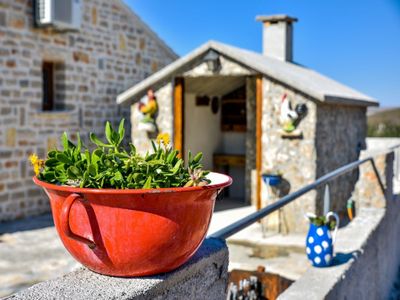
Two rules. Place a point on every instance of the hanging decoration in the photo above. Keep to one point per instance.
(290, 118)
(148, 107)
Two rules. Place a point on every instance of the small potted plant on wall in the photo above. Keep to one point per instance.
(272, 176)
(320, 240)
(121, 213)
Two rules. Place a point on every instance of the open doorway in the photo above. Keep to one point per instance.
(215, 122)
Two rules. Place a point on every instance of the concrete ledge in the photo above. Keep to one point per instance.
(205, 276)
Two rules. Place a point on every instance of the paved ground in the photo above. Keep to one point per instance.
(31, 256)
(31, 252)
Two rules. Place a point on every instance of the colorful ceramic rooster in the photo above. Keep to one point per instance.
(150, 108)
(288, 116)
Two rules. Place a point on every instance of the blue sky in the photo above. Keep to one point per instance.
(356, 42)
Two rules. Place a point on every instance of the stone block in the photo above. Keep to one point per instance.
(5, 111)
(11, 137)
(51, 143)
(79, 56)
(11, 63)
(17, 195)
(4, 197)
(3, 18)
(154, 66)
(142, 43)
(94, 15)
(122, 42)
(24, 83)
(61, 41)
(205, 276)
(10, 164)
(17, 21)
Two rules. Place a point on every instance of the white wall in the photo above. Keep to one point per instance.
(234, 142)
(202, 130)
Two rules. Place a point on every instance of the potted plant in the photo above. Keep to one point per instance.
(121, 213)
(272, 177)
(320, 241)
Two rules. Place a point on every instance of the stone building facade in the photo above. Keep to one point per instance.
(112, 50)
(331, 134)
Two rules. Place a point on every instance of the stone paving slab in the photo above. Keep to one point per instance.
(31, 256)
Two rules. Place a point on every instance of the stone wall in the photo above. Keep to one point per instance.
(332, 136)
(340, 137)
(294, 157)
(250, 190)
(204, 276)
(113, 50)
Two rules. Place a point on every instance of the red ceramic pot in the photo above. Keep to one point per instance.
(133, 232)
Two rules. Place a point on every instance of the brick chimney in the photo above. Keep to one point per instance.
(278, 36)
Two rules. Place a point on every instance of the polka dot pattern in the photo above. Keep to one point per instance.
(319, 246)
(327, 258)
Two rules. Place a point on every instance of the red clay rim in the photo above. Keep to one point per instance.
(225, 183)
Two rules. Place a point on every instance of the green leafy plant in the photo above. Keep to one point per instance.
(273, 171)
(110, 165)
(321, 221)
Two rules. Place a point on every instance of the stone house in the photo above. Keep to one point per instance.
(252, 112)
(54, 80)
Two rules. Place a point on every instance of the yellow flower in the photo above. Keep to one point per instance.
(164, 138)
(36, 163)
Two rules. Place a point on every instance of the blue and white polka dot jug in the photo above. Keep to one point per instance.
(320, 241)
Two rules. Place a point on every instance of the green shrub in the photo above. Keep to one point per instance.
(383, 130)
(111, 166)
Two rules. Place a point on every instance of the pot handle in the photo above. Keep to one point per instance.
(336, 217)
(65, 228)
(220, 195)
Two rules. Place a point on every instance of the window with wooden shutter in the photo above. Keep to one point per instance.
(48, 86)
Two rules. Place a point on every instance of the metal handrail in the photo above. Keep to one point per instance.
(237, 226)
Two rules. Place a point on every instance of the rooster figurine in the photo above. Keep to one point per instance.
(289, 117)
(149, 111)
(150, 108)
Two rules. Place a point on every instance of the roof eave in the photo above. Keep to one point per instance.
(338, 100)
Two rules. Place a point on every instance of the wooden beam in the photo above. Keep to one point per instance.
(259, 104)
(179, 114)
